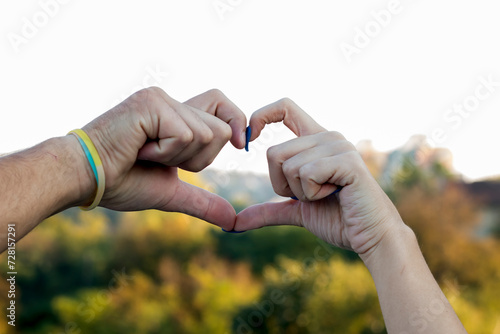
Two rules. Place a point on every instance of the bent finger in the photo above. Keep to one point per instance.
(288, 112)
(285, 159)
(172, 138)
(205, 156)
(216, 103)
(321, 177)
(175, 130)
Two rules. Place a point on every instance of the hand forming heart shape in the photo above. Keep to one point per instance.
(311, 167)
(146, 138)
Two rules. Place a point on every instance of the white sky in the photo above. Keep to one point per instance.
(88, 55)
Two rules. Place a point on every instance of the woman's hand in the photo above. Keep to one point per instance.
(311, 167)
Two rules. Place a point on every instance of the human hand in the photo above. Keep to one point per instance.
(310, 168)
(143, 141)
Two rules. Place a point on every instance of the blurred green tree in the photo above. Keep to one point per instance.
(316, 296)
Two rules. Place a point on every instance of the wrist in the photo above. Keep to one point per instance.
(83, 176)
(394, 248)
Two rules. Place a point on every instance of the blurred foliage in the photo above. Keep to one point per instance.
(321, 295)
(155, 272)
(263, 247)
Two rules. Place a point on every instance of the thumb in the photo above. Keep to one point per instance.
(202, 204)
(269, 214)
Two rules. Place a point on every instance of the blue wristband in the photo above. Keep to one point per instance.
(89, 158)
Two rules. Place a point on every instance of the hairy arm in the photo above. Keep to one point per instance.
(142, 142)
(41, 181)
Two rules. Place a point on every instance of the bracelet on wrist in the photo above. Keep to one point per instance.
(96, 164)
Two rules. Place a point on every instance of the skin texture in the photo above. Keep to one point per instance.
(157, 135)
(310, 167)
(144, 140)
(360, 217)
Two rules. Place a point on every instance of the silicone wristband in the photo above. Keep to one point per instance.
(96, 164)
(89, 157)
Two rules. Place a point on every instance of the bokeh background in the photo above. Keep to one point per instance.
(414, 84)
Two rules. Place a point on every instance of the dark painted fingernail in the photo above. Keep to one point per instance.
(295, 198)
(248, 136)
(233, 231)
(339, 188)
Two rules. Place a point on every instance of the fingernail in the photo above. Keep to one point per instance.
(339, 188)
(295, 198)
(248, 136)
(233, 231)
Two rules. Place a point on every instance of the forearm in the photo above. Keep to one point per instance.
(41, 181)
(410, 297)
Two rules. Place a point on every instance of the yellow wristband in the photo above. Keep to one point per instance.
(95, 163)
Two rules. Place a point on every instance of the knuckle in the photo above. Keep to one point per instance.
(148, 93)
(216, 93)
(350, 146)
(206, 137)
(286, 102)
(154, 90)
(186, 138)
(139, 97)
(306, 171)
(271, 153)
(289, 169)
(148, 96)
(333, 136)
(274, 155)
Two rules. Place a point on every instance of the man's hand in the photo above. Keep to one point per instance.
(310, 168)
(147, 137)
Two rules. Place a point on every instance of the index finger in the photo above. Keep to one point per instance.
(287, 111)
(216, 103)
